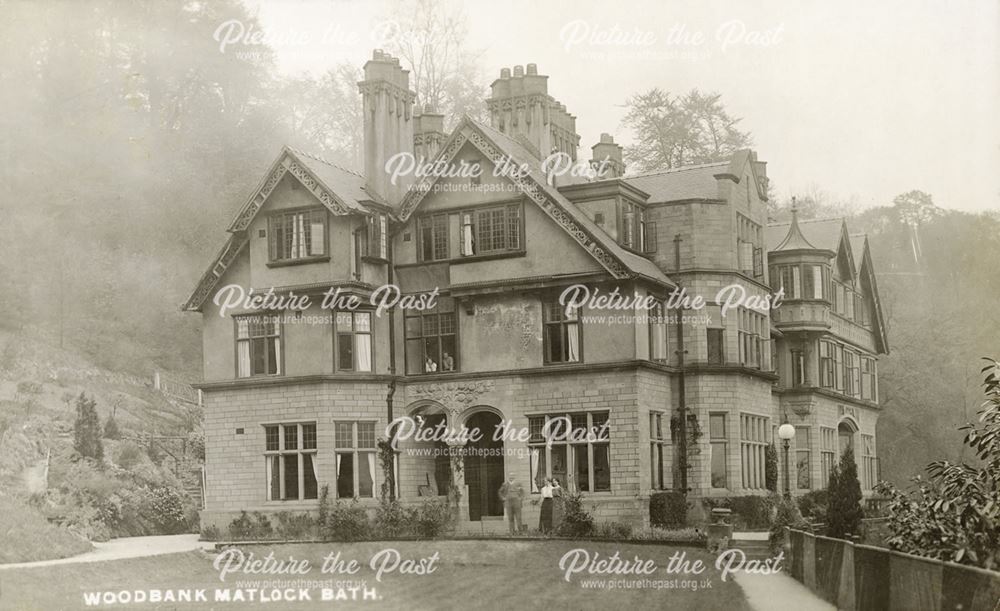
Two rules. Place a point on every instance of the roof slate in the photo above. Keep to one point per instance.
(687, 182)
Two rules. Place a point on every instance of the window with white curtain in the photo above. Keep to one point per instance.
(354, 447)
(258, 345)
(353, 338)
(297, 235)
(562, 332)
(657, 319)
(290, 461)
(577, 452)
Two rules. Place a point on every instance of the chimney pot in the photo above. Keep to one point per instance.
(504, 72)
(518, 71)
(532, 69)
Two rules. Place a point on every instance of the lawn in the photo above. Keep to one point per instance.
(466, 574)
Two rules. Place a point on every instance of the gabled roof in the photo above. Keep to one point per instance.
(340, 190)
(497, 147)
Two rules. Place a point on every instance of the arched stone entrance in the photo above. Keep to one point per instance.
(846, 430)
(484, 467)
(426, 465)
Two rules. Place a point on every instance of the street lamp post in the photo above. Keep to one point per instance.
(786, 432)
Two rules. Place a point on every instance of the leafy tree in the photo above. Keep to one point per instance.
(955, 515)
(87, 429)
(672, 131)
(430, 37)
(111, 428)
(844, 512)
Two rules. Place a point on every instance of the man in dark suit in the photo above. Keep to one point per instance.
(512, 495)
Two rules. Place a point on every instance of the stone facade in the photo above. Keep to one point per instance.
(701, 229)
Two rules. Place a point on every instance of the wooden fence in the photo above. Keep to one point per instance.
(861, 577)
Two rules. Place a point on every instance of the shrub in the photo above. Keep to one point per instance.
(432, 518)
(813, 504)
(843, 512)
(295, 526)
(111, 428)
(771, 468)
(347, 522)
(668, 509)
(248, 527)
(577, 522)
(324, 507)
(210, 533)
(165, 505)
(129, 455)
(956, 515)
(87, 429)
(750, 511)
(788, 515)
(618, 531)
(392, 519)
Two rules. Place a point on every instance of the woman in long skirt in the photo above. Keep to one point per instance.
(545, 521)
(558, 510)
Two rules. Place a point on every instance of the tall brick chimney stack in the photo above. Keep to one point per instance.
(428, 132)
(520, 106)
(388, 123)
(608, 150)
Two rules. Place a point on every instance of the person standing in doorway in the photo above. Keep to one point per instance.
(512, 495)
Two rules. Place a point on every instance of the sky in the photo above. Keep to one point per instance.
(862, 100)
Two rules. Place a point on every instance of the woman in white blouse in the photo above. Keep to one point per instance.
(545, 521)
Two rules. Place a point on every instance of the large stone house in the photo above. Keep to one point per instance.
(297, 398)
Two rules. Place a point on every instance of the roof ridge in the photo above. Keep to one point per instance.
(683, 168)
(823, 220)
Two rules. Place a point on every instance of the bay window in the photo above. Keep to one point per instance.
(719, 447)
(353, 341)
(290, 461)
(753, 447)
(354, 449)
(658, 450)
(869, 379)
(827, 452)
(803, 461)
(258, 345)
(576, 450)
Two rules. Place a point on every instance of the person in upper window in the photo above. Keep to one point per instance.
(447, 363)
(430, 366)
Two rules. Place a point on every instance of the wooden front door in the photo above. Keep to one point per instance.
(484, 468)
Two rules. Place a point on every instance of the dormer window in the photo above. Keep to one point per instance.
(635, 232)
(376, 240)
(297, 235)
